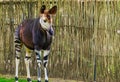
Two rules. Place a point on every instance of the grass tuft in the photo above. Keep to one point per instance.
(12, 80)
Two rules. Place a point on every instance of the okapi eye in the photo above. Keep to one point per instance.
(48, 16)
(45, 20)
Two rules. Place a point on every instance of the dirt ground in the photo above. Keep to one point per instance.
(61, 80)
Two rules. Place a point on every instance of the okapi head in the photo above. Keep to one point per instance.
(46, 16)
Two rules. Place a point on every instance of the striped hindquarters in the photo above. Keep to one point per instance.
(17, 42)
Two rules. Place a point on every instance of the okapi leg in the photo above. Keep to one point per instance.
(39, 62)
(17, 61)
(18, 46)
(27, 62)
(45, 62)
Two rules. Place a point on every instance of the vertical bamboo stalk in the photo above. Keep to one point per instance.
(94, 43)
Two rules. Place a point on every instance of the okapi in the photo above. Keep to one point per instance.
(36, 34)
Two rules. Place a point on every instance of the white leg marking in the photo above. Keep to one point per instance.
(27, 62)
(27, 67)
(17, 64)
(46, 75)
(39, 62)
(39, 79)
(46, 53)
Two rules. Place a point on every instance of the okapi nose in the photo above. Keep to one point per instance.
(51, 31)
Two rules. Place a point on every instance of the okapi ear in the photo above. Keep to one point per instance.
(53, 10)
(42, 9)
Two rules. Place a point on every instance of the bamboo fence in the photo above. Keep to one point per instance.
(86, 45)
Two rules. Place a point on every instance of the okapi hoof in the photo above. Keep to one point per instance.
(46, 80)
(29, 80)
(38, 81)
(16, 79)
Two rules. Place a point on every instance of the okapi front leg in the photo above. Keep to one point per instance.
(39, 62)
(27, 62)
(45, 62)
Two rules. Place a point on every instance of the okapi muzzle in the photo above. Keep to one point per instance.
(36, 35)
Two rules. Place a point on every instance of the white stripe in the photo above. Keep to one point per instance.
(17, 53)
(17, 43)
(17, 48)
(39, 61)
(17, 64)
(46, 76)
(38, 51)
(46, 52)
(45, 61)
(39, 79)
(27, 61)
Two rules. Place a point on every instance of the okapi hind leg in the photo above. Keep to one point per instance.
(17, 60)
(27, 62)
(18, 46)
(45, 62)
